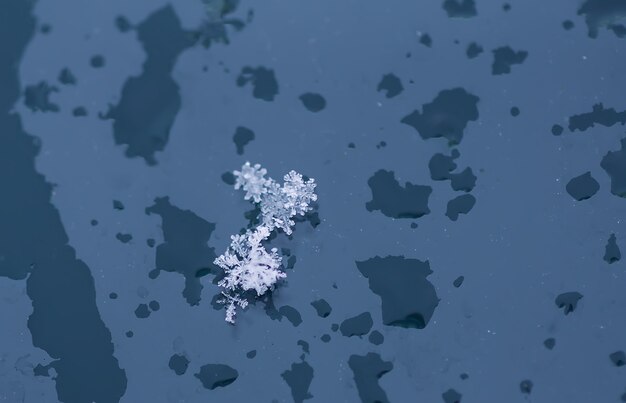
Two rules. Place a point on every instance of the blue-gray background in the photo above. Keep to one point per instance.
(525, 241)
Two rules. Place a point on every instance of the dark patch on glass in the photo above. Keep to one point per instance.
(376, 338)
(614, 163)
(154, 306)
(612, 253)
(441, 165)
(184, 249)
(41, 370)
(118, 205)
(217, 20)
(600, 115)
(67, 77)
(618, 358)
(129, 334)
(322, 307)
(460, 205)
(150, 102)
(465, 180)
(216, 375)
(464, 376)
(304, 345)
(242, 136)
(568, 301)
(426, 40)
(313, 102)
(367, 370)
(582, 187)
(408, 299)
(334, 327)
(515, 111)
(618, 29)
(446, 116)
(113, 295)
(460, 8)
(325, 338)
(142, 311)
(557, 130)
(504, 57)
(473, 50)
(393, 200)
(413, 225)
(122, 24)
(351, 145)
(263, 80)
(79, 111)
(45, 29)
(37, 97)
(299, 379)
(458, 281)
(526, 386)
(123, 238)
(97, 61)
(291, 314)
(179, 364)
(451, 396)
(251, 354)
(391, 85)
(549, 343)
(506, 7)
(150, 242)
(228, 178)
(567, 25)
(601, 14)
(357, 326)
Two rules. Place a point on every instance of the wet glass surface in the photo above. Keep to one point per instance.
(470, 161)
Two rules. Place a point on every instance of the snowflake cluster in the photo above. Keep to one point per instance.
(247, 264)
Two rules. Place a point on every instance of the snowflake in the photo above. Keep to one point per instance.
(246, 263)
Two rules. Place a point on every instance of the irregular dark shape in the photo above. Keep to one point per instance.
(413, 225)
(376, 338)
(504, 57)
(325, 338)
(451, 396)
(142, 311)
(150, 102)
(549, 343)
(460, 8)
(367, 370)
(506, 7)
(313, 102)
(568, 301)
(151, 242)
(582, 187)
(567, 25)
(122, 23)
(408, 299)
(441, 165)
(618, 29)
(65, 321)
(460, 205)
(130, 334)
(515, 111)
(557, 130)
(291, 314)
(216, 375)
(446, 116)
(184, 249)
(79, 111)
(357, 325)
(601, 13)
(94, 222)
(393, 200)
(614, 163)
(464, 376)
(600, 115)
(391, 84)
(41, 370)
(473, 50)
(67, 77)
(154, 305)
(124, 238)
(322, 307)
(304, 345)
(179, 364)
(263, 82)
(465, 180)
(97, 61)
(458, 281)
(251, 354)
(228, 178)
(113, 295)
(118, 205)
(426, 40)
(214, 28)
(242, 136)
(526, 386)
(612, 253)
(334, 327)
(618, 358)
(299, 379)
(36, 97)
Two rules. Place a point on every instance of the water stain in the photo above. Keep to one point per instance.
(460, 8)
(184, 249)
(618, 358)
(367, 370)
(598, 115)
(526, 386)
(614, 163)
(612, 253)
(66, 77)
(263, 81)
(292, 315)
(376, 338)
(313, 102)
(408, 298)
(473, 50)
(446, 116)
(299, 378)
(504, 57)
(582, 187)
(357, 326)
(602, 14)
(460, 205)
(568, 301)
(178, 363)
(143, 118)
(322, 307)
(394, 200)
(391, 85)
(216, 375)
(241, 138)
(37, 97)
(451, 396)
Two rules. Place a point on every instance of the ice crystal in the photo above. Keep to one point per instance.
(247, 265)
